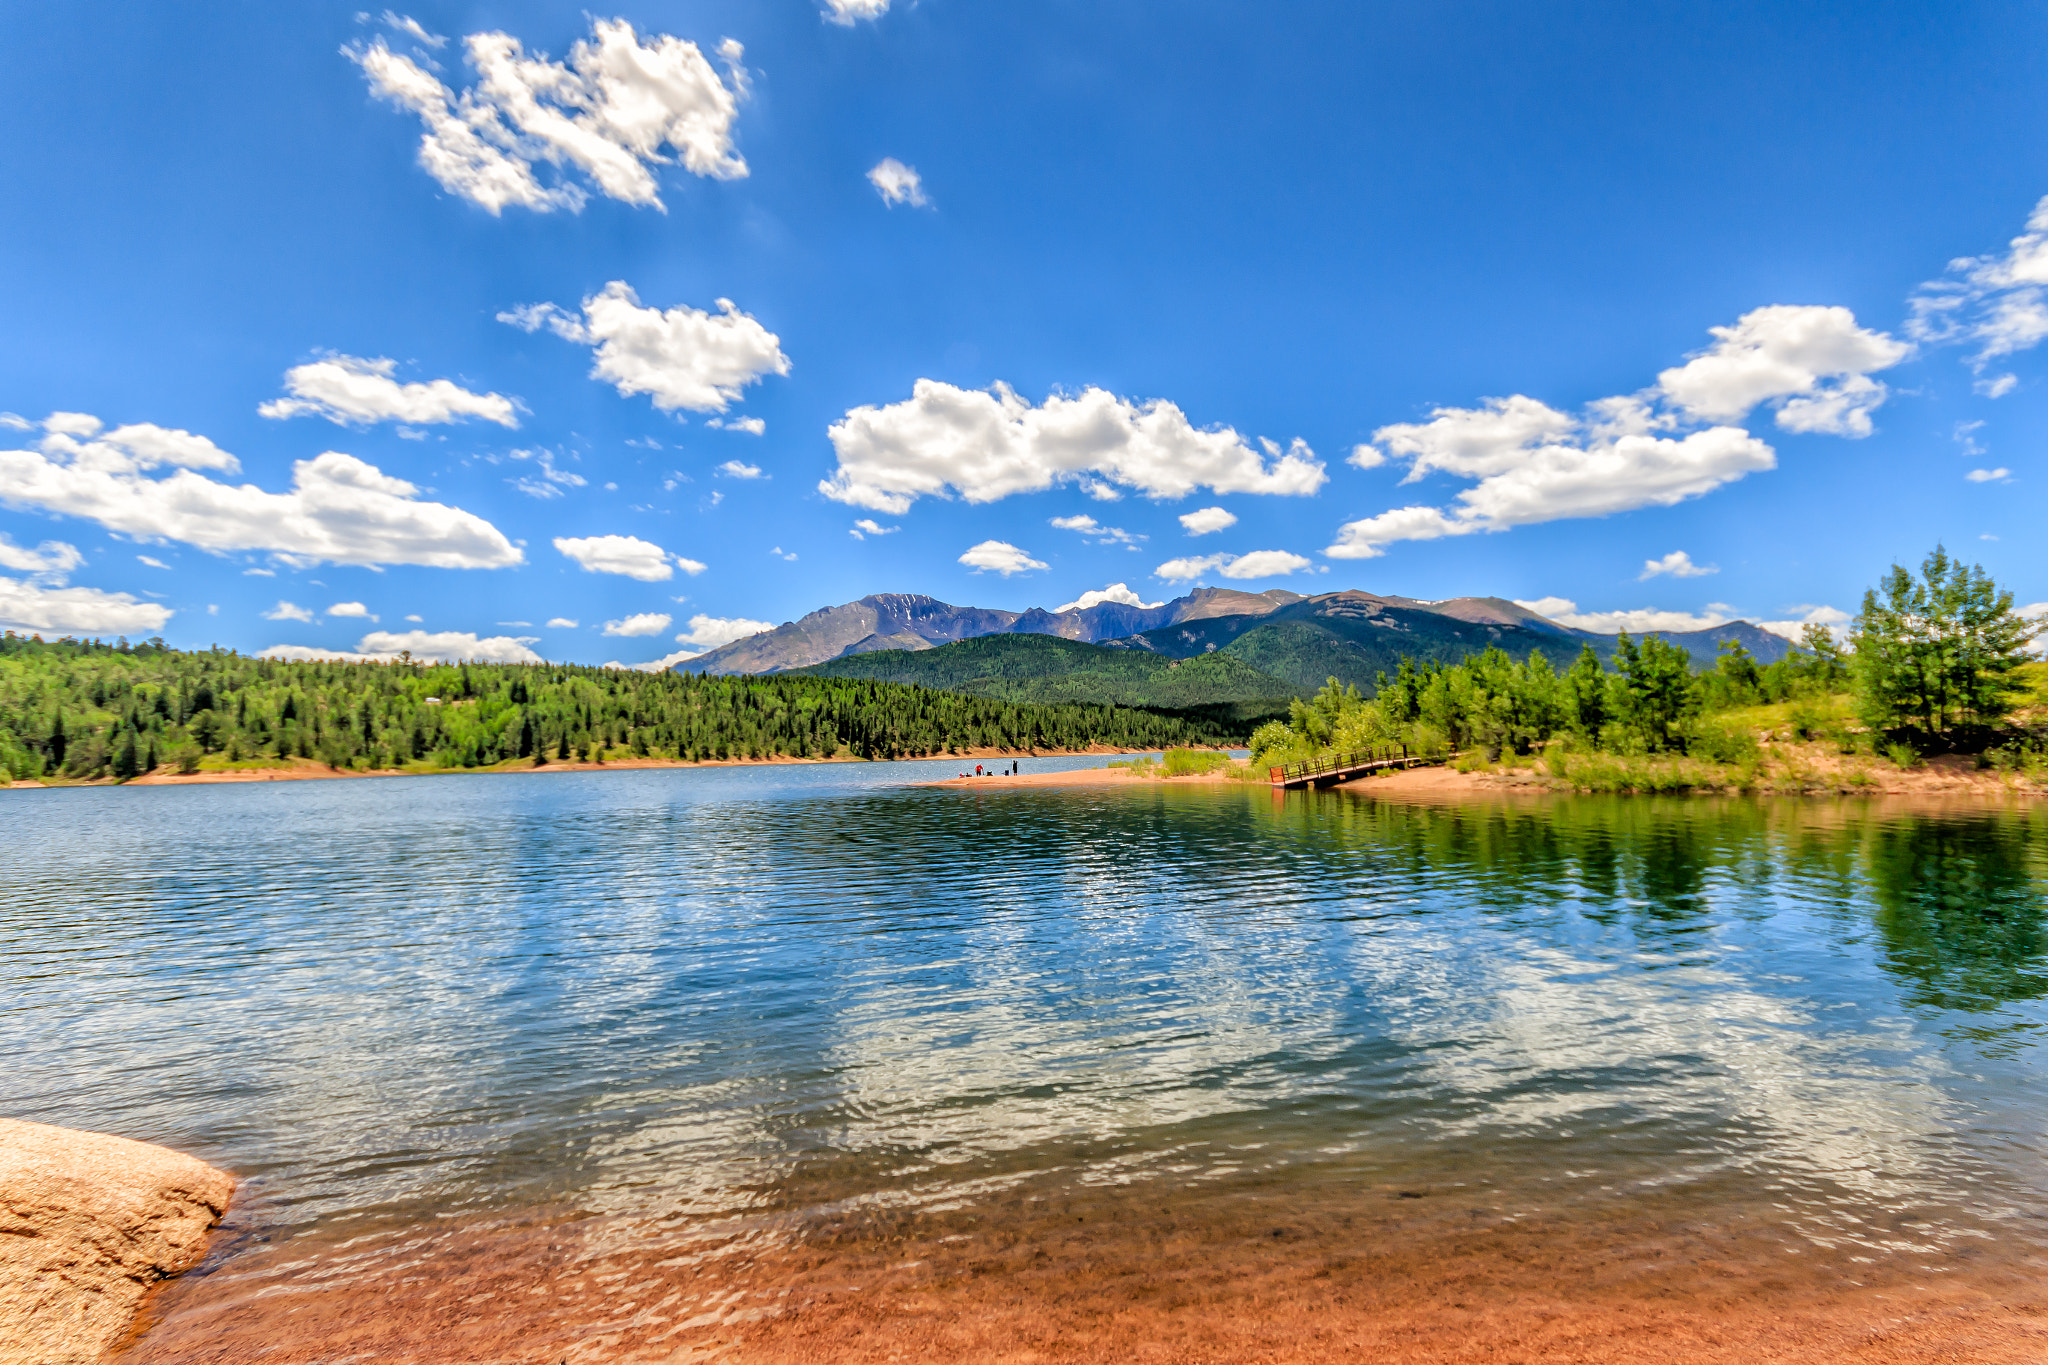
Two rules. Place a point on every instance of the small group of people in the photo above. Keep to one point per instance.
(994, 772)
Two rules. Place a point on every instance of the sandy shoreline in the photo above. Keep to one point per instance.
(1042, 1272)
(308, 770)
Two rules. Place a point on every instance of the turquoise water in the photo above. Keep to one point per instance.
(699, 993)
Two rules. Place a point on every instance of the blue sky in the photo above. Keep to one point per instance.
(267, 354)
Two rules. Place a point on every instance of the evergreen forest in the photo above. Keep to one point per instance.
(1935, 663)
(89, 710)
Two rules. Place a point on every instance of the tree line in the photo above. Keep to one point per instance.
(90, 709)
(1933, 661)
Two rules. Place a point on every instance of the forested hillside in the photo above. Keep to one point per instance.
(1046, 668)
(87, 709)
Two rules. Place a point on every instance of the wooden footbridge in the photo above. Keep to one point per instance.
(1326, 770)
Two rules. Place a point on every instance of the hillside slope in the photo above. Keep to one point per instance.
(1355, 636)
(1044, 668)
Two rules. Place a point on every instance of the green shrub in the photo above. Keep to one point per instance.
(1716, 742)
(1902, 755)
(1188, 762)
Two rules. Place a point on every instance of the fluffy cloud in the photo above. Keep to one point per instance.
(288, 611)
(1998, 475)
(340, 508)
(734, 469)
(682, 358)
(661, 665)
(1535, 464)
(447, 646)
(346, 389)
(628, 556)
(1001, 557)
(1207, 521)
(641, 623)
(898, 183)
(1257, 564)
(350, 609)
(51, 559)
(988, 444)
(561, 623)
(709, 632)
(1996, 302)
(868, 526)
(607, 113)
(1834, 618)
(1814, 363)
(1115, 592)
(844, 12)
(1678, 564)
(1532, 463)
(752, 426)
(50, 608)
(1566, 613)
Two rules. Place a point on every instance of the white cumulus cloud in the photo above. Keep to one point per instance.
(614, 111)
(340, 509)
(752, 426)
(1207, 521)
(1813, 362)
(844, 12)
(1532, 463)
(1678, 564)
(1566, 612)
(1257, 564)
(561, 623)
(1834, 618)
(640, 623)
(868, 526)
(349, 609)
(51, 559)
(988, 444)
(628, 556)
(43, 607)
(288, 611)
(346, 390)
(1001, 557)
(1115, 592)
(898, 183)
(681, 358)
(734, 469)
(1535, 464)
(446, 646)
(709, 632)
(1998, 475)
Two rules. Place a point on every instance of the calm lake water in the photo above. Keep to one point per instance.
(775, 1004)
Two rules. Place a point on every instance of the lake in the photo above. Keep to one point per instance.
(814, 1063)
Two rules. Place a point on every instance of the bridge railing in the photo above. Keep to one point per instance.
(1336, 761)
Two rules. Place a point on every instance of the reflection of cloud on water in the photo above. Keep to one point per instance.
(1674, 1070)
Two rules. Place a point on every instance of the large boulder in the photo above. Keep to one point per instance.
(88, 1223)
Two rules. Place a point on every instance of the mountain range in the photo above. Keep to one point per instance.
(891, 620)
(1296, 639)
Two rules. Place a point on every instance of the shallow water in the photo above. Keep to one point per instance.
(698, 1050)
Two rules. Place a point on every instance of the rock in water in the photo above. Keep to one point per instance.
(88, 1223)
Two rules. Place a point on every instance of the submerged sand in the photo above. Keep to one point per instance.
(1039, 1273)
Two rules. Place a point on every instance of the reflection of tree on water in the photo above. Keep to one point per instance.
(1960, 906)
(1961, 901)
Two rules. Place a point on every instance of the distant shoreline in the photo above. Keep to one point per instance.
(309, 770)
